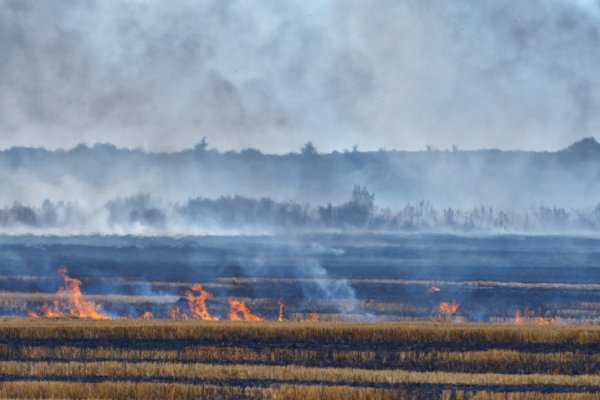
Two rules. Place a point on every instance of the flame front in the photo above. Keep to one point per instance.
(196, 298)
(239, 312)
(448, 309)
(527, 317)
(69, 301)
(313, 317)
(173, 312)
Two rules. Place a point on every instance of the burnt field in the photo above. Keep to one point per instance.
(328, 316)
(326, 277)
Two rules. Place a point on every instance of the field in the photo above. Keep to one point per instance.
(327, 317)
(158, 359)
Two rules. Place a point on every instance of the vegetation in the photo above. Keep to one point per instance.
(239, 212)
(160, 359)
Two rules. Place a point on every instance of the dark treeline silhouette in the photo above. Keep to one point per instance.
(233, 213)
(449, 178)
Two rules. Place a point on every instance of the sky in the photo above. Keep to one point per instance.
(273, 74)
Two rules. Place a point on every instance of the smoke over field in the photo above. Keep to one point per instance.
(318, 316)
(526, 279)
(105, 190)
(273, 199)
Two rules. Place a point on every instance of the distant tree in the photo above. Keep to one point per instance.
(362, 197)
(596, 212)
(48, 213)
(309, 149)
(201, 147)
(24, 214)
(327, 215)
(250, 153)
(359, 209)
(135, 209)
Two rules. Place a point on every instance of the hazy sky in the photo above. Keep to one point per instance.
(274, 74)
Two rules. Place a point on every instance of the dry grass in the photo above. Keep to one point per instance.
(285, 374)
(343, 332)
(129, 390)
(424, 283)
(52, 350)
(28, 297)
(500, 361)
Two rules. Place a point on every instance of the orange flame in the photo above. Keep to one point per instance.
(69, 301)
(196, 298)
(280, 314)
(447, 310)
(175, 313)
(527, 317)
(239, 312)
(313, 317)
(147, 315)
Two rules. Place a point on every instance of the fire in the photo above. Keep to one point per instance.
(434, 289)
(447, 310)
(175, 313)
(280, 314)
(239, 312)
(69, 301)
(313, 317)
(540, 321)
(527, 317)
(523, 317)
(147, 315)
(196, 298)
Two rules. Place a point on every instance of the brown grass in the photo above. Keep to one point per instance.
(500, 361)
(350, 333)
(231, 356)
(124, 370)
(128, 390)
(424, 283)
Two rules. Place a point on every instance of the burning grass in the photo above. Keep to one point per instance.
(192, 301)
(208, 349)
(69, 301)
(240, 312)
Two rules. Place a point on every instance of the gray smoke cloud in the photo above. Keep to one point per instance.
(273, 75)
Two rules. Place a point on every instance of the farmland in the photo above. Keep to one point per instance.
(78, 357)
(326, 317)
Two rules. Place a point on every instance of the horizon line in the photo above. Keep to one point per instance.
(203, 146)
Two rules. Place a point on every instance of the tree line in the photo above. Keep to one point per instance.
(234, 212)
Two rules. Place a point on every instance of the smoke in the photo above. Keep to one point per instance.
(336, 291)
(396, 74)
(144, 215)
(298, 258)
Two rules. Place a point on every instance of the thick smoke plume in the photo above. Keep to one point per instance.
(273, 75)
